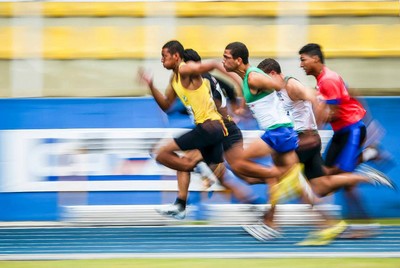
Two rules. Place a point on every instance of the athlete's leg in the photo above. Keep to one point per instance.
(183, 184)
(168, 157)
(240, 190)
(285, 162)
(243, 165)
(329, 184)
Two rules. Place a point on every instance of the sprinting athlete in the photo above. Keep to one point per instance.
(187, 84)
(279, 140)
(300, 102)
(345, 115)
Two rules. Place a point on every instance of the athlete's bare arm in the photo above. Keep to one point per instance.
(164, 101)
(259, 82)
(297, 91)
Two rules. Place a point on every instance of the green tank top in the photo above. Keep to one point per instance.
(248, 96)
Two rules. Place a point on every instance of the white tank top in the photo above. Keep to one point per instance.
(269, 112)
(299, 111)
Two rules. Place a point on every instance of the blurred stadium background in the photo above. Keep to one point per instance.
(93, 48)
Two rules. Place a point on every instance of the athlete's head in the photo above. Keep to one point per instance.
(311, 58)
(269, 65)
(191, 55)
(313, 49)
(171, 54)
(235, 53)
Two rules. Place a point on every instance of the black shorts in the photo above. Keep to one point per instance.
(234, 137)
(206, 137)
(310, 155)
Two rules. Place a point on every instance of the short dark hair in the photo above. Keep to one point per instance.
(174, 46)
(313, 49)
(268, 65)
(239, 50)
(191, 55)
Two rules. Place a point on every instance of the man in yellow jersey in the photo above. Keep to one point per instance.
(207, 136)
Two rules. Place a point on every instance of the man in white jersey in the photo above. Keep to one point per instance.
(279, 140)
(300, 103)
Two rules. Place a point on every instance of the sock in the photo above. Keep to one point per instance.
(180, 202)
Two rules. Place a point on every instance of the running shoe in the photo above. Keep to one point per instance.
(374, 176)
(262, 232)
(174, 210)
(379, 157)
(325, 236)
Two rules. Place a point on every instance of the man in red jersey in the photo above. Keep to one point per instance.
(345, 115)
(344, 112)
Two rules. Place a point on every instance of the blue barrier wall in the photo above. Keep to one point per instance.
(122, 113)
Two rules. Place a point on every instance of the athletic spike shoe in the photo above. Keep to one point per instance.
(262, 232)
(374, 176)
(174, 210)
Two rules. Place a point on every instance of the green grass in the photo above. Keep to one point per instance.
(380, 221)
(210, 263)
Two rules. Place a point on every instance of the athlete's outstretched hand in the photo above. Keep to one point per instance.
(144, 77)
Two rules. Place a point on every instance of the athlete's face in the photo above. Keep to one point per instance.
(308, 63)
(230, 64)
(168, 60)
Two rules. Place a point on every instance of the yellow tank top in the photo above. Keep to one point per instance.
(199, 102)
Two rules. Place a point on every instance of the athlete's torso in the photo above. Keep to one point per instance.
(299, 111)
(334, 91)
(218, 94)
(266, 107)
(198, 103)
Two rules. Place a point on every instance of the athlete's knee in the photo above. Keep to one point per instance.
(161, 156)
(238, 166)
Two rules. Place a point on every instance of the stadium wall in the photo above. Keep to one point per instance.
(94, 151)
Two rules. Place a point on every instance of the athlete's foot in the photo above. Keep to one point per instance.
(374, 176)
(324, 236)
(174, 210)
(378, 157)
(262, 232)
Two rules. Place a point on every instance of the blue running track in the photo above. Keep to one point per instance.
(181, 242)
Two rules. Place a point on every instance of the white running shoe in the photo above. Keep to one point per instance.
(262, 232)
(174, 210)
(374, 176)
